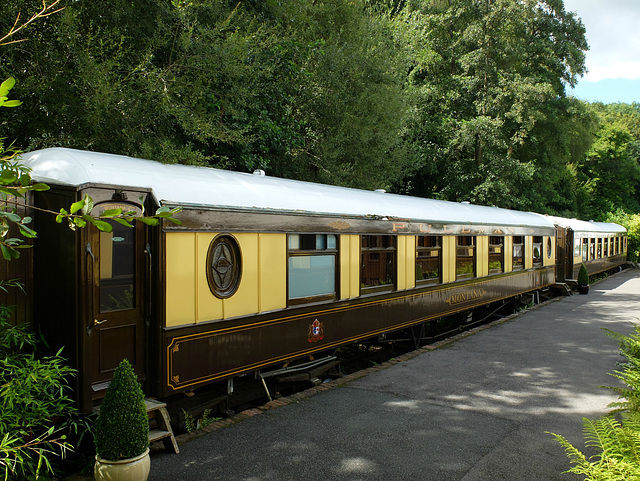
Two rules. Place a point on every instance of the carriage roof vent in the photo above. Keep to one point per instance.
(465, 202)
(259, 172)
(381, 191)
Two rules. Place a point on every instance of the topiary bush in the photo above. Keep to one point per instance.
(583, 276)
(122, 429)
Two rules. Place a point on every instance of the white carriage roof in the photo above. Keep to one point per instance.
(583, 226)
(203, 187)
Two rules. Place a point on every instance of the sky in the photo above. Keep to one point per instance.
(613, 60)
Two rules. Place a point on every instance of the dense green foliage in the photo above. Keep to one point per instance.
(459, 100)
(632, 223)
(122, 429)
(615, 439)
(33, 402)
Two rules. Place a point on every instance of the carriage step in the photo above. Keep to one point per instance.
(164, 432)
(563, 287)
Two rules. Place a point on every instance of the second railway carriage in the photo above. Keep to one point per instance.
(261, 272)
(601, 246)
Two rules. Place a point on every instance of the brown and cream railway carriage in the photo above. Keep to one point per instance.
(261, 272)
(601, 246)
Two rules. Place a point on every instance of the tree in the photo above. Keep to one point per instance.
(305, 89)
(488, 73)
(15, 178)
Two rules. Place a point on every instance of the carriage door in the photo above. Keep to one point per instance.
(115, 262)
(570, 253)
(561, 253)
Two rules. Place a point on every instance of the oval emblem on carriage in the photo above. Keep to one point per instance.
(224, 266)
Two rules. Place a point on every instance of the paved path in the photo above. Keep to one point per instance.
(474, 409)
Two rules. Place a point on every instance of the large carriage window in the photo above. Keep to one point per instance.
(577, 247)
(585, 250)
(599, 247)
(592, 248)
(518, 252)
(465, 257)
(605, 248)
(537, 250)
(496, 254)
(617, 245)
(378, 262)
(428, 259)
(117, 268)
(312, 267)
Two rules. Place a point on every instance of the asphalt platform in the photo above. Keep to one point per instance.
(477, 407)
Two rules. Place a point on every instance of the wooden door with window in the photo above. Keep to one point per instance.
(116, 324)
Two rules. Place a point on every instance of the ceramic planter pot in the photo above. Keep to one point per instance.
(583, 289)
(132, 469)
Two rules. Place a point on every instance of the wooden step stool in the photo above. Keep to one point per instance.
(163, 431)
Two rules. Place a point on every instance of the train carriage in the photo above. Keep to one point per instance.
(601, 246)
(261, 272)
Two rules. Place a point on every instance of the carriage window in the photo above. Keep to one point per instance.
(465, 257)
(585, 250)
(537, 251)
(577, 247)
(617, 245)
(599, 247)
(605, 248)
(496, 254)
(428, 259)
(592, 248)
(518, 252)
(312, 267)
(117, 268)
(378, 262)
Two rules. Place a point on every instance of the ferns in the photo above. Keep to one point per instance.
(619, 447)
(615, 437)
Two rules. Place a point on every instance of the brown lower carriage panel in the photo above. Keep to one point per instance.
(198, 355)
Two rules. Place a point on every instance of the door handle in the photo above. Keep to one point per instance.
(96, 322)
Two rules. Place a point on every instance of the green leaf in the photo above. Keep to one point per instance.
(124, 222)
(174, 220)
(12, 216)
(6, 86)
(102, 225)
(26, 231)
(111, 213)
(76, 206)
(25, 179)
(8, 176)
(9, 253)
(80, 222)
(88, 207)
(9, 191)
(12, 103)
(148, 220)
(40, 187)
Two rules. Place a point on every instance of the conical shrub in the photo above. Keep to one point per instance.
(583, 276)
(122, 429)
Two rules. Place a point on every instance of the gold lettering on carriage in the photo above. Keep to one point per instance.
(467, 296)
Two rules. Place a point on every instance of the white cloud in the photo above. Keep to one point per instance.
(613, 33)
